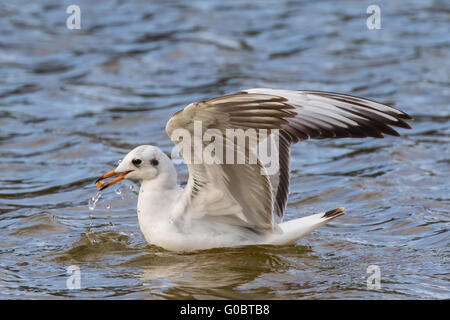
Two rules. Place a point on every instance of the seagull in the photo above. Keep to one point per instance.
(238, 204)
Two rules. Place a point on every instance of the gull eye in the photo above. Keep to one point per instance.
(154, 162)
(136, 162)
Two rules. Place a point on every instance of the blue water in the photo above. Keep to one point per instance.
(74, 102)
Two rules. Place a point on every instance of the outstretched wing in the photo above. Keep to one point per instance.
(236, 193)
(322, 115)
(242, 194)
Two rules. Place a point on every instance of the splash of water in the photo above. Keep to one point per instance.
(93, 201)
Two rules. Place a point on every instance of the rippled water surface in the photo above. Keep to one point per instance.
(74, 102)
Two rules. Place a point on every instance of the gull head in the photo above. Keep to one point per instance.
(144, 163)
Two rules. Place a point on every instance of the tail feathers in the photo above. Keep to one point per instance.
(334, 213)
(293, 230)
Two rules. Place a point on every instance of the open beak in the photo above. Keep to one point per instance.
(100, 184)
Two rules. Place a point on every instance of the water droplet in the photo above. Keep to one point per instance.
(93, 201)
(108, 206)
(91, 240)
(132, 188)
(119, 162)
(118, 191)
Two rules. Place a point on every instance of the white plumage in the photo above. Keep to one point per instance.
(226, 205)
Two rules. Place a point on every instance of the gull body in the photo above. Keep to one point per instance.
(226, 205)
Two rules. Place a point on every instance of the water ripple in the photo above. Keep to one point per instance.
(73, 102)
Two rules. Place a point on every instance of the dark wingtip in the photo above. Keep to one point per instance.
(334, 213)
(406, 116)
(407, 125)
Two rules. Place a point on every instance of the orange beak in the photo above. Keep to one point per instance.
(100, 184)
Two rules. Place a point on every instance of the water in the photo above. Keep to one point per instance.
(72, 102)
(93, 201)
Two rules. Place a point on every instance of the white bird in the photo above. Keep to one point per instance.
(226, 205)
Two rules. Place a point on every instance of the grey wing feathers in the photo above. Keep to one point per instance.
(298, 115)
(242, 186)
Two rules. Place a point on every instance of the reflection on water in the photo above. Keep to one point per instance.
(73, 102)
